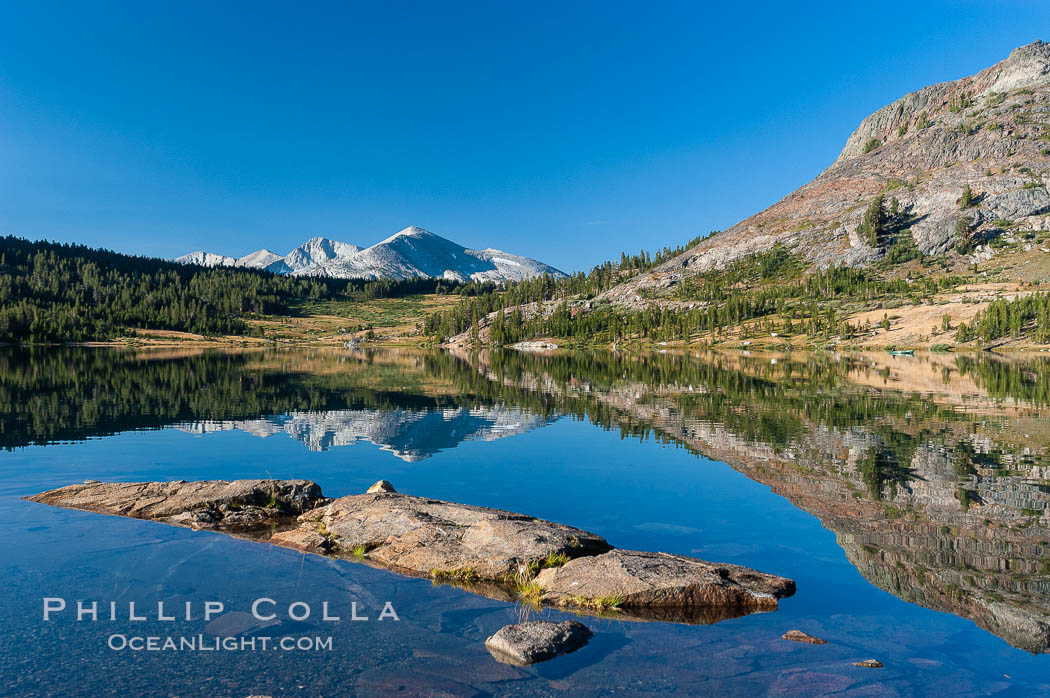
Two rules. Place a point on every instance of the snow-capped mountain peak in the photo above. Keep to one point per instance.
(258, 259)
(413, 252)
(412, 231)
(317, 251)
(206, 259)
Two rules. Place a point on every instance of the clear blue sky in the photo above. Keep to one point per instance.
(563, 131)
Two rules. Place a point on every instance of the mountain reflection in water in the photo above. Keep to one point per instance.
(933, 471)
(411, 435)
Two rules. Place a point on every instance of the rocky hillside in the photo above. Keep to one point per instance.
(989, 131)
(409, 253)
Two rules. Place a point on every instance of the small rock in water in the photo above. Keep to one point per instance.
(381, 486)
(799, 636)
(303, 541)
(536, 641)
(869, 663)
(238, 624)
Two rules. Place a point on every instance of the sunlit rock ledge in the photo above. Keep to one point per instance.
(488, 551)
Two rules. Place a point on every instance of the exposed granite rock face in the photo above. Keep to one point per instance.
(528, 311)
(381, 486)
(1026, 67)
(630, 578)
(537, 641)
(986, 131)
(202, 504)
(304, 541)
(444, 539)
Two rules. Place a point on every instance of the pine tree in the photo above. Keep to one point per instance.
(873, 223)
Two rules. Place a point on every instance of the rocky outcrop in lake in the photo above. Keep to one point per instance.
(633, 579)
(490, 551)
(240, 504)
(444, 539)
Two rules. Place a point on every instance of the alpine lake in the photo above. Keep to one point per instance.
(907, 496)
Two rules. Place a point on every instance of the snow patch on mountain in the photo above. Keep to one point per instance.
(206, 259)
(317, 251)
(258, 259)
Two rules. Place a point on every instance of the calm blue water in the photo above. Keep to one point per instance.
(637, 494)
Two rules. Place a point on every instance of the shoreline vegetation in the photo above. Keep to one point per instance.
(65, 294)
(765, 299)
(199, 384)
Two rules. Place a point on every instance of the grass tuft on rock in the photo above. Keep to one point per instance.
(361, 550)
(531, 591)
(599, 604)
(456, 574)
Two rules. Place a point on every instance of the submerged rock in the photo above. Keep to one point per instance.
(869, 663)
(630, 578)
(440, 539)
(536, 641)
(239, 623)
(202, 504)
(799, 636)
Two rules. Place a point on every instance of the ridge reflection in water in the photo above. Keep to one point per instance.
(932, 471)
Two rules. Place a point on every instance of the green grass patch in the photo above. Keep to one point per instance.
(362, 550)
(529, 591)
(599, 604)
(456, 574)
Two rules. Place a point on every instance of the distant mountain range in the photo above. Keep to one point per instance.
(410, 253)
